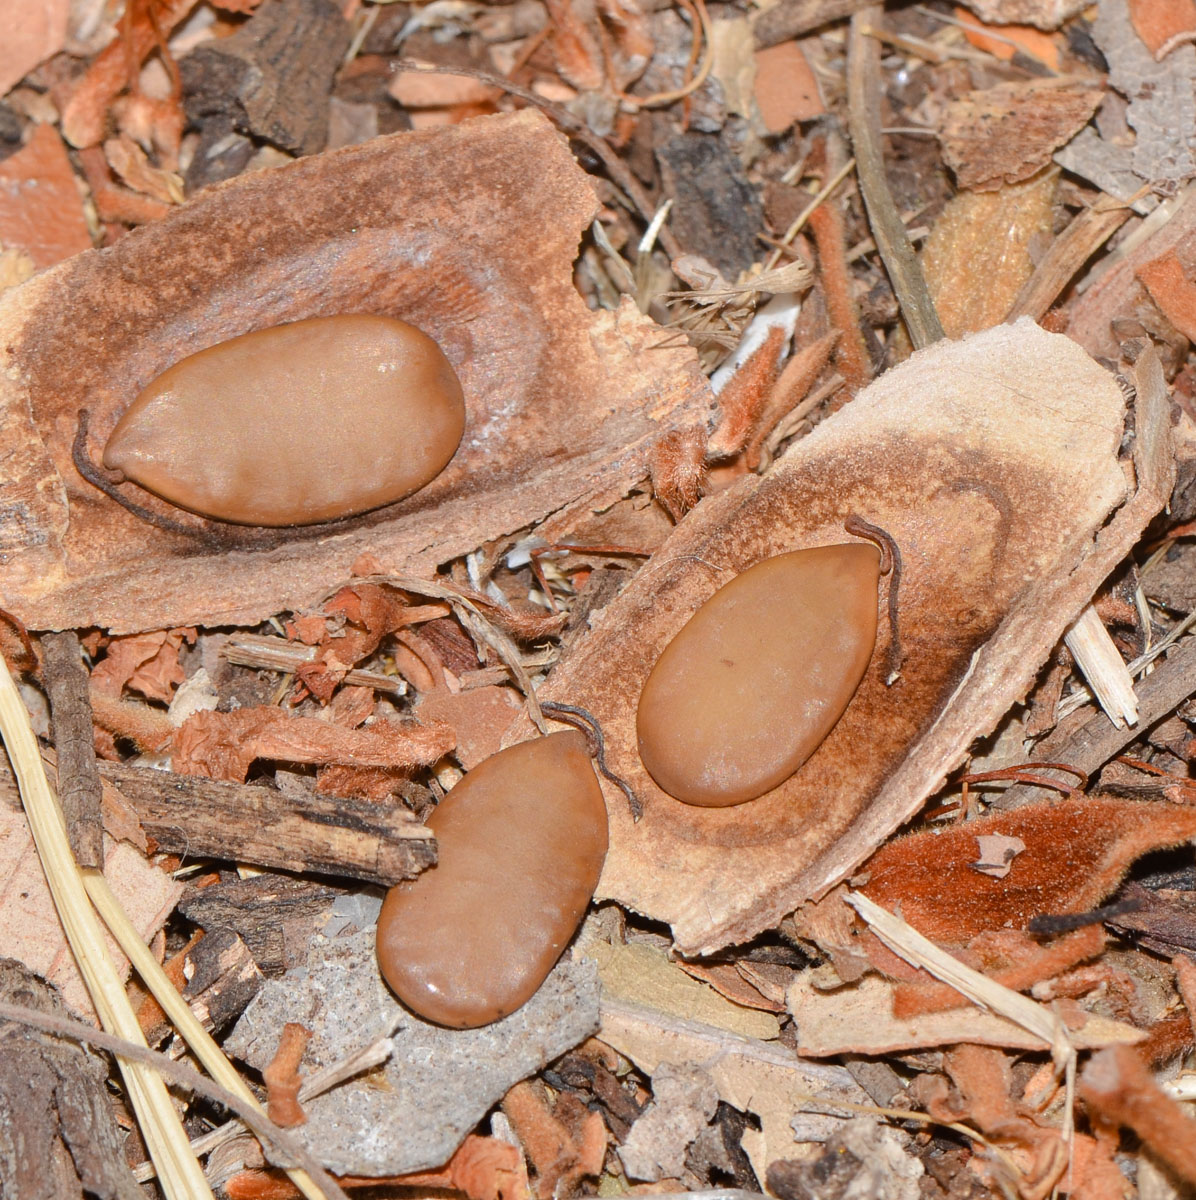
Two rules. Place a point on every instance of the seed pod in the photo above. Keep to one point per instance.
(296, 424)
(758, 676)
(520, 845)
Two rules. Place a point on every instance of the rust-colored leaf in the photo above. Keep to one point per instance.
(1076, 852)
(443, 228)
(965, 454)
(1172, 291)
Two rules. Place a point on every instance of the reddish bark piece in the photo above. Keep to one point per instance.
(1170, 288)
(483, 1168)
(786, 90)
(967, 454)
(564, 1143)
(1116, 1085)
(1003, 40)
(41, 210)
(480, 716)
(282, 1077)
(32, 33)
(223, 745)
(445, 229)
(1076, 852)
(1007, 133)
(1163, 24)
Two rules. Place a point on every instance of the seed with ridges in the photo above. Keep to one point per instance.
(300, 423)
(759, 675)
(520, 845)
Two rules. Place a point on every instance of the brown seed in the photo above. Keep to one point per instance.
(759, 675)
(300, 423)
(520, 845)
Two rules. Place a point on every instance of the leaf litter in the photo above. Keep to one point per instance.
(603, 492)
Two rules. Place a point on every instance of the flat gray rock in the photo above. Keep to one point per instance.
(415, 1110)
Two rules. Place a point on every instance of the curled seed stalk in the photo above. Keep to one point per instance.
(581, 719)
(890, 564)
(107, 483)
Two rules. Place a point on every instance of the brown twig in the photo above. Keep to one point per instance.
(863, 119)
(1087, 746)
(79, 786)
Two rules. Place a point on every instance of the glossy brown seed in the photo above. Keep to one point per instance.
(520, 845)
(300, 423)
(759, 675)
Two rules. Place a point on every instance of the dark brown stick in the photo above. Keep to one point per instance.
(287, 1147)
(863, 119)
(325, 834)
(79, 786)
(329, 835)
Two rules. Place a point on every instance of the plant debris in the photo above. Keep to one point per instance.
(720, 282)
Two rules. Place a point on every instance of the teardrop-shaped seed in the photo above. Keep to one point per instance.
(520, 845)
(759, 675)
(295, 424)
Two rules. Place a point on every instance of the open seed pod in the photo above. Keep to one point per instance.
(442, 229)
(995, 464)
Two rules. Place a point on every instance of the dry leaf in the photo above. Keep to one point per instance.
(640, 974)
(447, 229)
(1007, 133)
(758, 1077)
(130, 163)
(858, 1019)
(29, 927)
(968, 455)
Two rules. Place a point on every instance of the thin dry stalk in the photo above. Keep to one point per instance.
(1103, 667)
(201, 1043)
(863, 119)
(180, 1172)
(920, 951)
